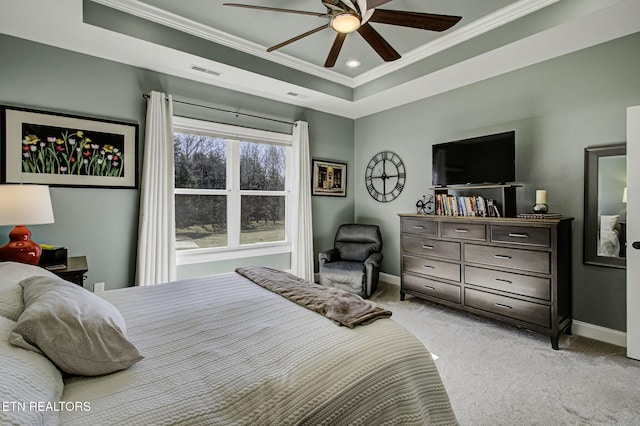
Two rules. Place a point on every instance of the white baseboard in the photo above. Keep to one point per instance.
(607, 335)
(391, 279)
(578, 328)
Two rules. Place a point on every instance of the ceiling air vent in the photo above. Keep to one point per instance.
(204, 70)
(297, 95)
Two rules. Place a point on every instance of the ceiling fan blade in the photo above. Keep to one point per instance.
(332, 7)
(378, 43)
(335, 50)
(375, 3)
(296, 38)
(424, 21)
(275, 9)
(350, 5)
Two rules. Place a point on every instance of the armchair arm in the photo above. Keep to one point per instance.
(327, 256)
(372, 266)
(374, 259)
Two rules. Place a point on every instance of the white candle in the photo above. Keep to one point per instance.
(541, 196)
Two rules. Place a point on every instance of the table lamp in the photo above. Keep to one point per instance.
(22, 205)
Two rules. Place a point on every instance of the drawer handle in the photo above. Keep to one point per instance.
(502, 256)
(426, 247)
(461, 230)
(428, 267)
(428, 287)
(500, 305)
(504, 281)
(518, 235)
(418, 227)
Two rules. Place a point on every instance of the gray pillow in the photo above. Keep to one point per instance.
(11, 273)
(80, 332)
(29, 382)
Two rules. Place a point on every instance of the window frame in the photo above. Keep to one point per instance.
(234, 135)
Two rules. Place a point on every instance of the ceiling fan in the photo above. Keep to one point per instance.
(346, 16)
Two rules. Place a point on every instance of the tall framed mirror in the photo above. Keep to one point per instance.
(605, 208)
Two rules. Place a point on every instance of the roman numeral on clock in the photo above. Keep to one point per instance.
(370, 188)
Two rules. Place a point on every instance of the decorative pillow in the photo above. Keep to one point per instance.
(29, 382)
(80, 332)
(11, 273)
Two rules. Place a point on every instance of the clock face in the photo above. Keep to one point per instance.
(385, 176)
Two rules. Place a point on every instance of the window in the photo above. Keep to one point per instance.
(231, 191)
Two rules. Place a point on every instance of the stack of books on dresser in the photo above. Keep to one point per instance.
(452, 205)
(539, 215)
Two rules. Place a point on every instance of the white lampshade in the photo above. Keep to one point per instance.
(25, 205)
(345, 23)
(624, 195)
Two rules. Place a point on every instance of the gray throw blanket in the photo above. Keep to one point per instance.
(340, 306)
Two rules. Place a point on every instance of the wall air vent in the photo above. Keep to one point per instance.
(204, 70)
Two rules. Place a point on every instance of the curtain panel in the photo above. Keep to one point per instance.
(156, 233)
(302, 239)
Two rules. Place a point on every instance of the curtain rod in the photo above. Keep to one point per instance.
(146, 96)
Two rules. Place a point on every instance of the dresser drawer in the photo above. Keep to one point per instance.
(434, 268)
(464, 231)
(431, 288)
(429, 247)
(530, 312)
(521, 235)
(417, 226)
(526, 260)
(524, 285)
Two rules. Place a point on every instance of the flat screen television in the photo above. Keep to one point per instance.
(487, 159)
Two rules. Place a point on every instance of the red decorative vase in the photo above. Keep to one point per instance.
(20, 248)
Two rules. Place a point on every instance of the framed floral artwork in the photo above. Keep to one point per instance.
(329, 178)
(67, 150)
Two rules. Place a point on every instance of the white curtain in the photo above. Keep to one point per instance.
(302, 253)
(156, 234)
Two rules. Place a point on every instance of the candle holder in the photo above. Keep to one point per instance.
(541, 202)
(540, 208)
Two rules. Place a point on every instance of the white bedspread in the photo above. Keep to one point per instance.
(222, 350)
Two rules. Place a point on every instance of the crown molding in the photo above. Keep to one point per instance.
(197, 29)
(479, 26)
(473, 29)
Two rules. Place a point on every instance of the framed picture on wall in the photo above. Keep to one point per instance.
(329, 178)
(67, 150)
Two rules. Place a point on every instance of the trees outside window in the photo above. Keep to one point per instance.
(230, 192)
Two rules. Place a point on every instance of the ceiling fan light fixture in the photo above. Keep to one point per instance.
(345, 23)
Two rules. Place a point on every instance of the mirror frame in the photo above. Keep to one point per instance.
(590, 242)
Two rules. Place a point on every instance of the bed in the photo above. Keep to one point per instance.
(223, 350)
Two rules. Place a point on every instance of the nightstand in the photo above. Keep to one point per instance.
(75, 270)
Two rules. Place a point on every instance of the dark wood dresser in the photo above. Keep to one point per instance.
(517, 271)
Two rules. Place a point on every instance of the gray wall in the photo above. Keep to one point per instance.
(557, 108)
(102, 223)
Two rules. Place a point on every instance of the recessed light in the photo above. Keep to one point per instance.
(353, 63)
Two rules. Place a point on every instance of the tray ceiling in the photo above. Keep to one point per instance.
(222, 46)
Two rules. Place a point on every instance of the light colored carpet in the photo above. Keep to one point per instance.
(501, 375)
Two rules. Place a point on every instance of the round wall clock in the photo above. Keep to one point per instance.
(385, 176)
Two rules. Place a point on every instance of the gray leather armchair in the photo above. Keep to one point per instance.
(354, 262)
